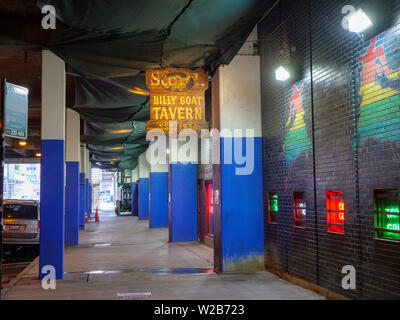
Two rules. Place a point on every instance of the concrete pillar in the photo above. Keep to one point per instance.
(135, 177)
(159, 215)
(87, 182)
(82, 188)
(52, 197)
(238, 203)
(144, 177)
(183, 193)
(72, 156)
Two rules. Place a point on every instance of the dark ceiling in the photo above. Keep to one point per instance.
(107, 46)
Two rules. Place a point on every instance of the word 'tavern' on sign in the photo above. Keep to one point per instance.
(176, 113)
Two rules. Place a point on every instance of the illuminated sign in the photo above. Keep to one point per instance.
(177, 94)
(273, 207)
(335, 211)
(387, 219)
(15, 111)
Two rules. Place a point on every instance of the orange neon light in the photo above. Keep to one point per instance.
(138, 90)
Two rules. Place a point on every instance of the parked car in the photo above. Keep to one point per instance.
(21, 220)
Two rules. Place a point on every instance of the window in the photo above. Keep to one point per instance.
(386, 206)
(273, 207)
(335, 211)
(22, 181)
(20, 211)
(299, 210)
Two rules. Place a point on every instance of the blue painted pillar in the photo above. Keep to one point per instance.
(134, 199)
(87, 186)
(52, 197)
(90, 199)
(144, 172)
(159, 200)
(242, 209)
(238, 191)
(82, 201)
(88, 183)
(159, 215)
(183, 190)
(83, 186)
(159, 196)
(134, 189)
(72, 178)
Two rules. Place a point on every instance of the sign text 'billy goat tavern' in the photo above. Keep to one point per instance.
(177, 95)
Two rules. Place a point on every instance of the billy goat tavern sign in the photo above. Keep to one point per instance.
(177, 95)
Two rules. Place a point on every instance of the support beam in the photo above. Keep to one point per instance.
(144, 177)
(135, 178)
(87, 183)
(159, 217)
(238, 195)
(52, 197)
(72, 178)
(183, 194)
(82, 188)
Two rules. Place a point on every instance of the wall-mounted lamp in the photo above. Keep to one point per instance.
(39, 155)
(359, 21)
(22, 143)
(281, 74)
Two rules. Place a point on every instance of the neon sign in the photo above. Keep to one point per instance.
(387, 218)
(335, 211)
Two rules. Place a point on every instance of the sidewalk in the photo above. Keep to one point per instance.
(122, 255)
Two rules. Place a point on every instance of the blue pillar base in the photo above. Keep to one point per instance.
(90, 200)
(159, 200)
(134, 199)
(72, 204)
(82, 201)
(183, 202)
(87, 187)
(144, 199)
(52, 213)
(242, 224)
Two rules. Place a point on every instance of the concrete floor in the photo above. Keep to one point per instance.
(122, 255)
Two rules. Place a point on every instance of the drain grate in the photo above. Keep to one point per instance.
(95, 245)
(134, 295)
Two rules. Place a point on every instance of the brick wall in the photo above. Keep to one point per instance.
(335, 128)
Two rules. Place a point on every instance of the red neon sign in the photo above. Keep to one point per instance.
(335, 211)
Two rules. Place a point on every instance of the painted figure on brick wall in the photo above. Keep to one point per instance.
(379, 93)
(296, 141)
